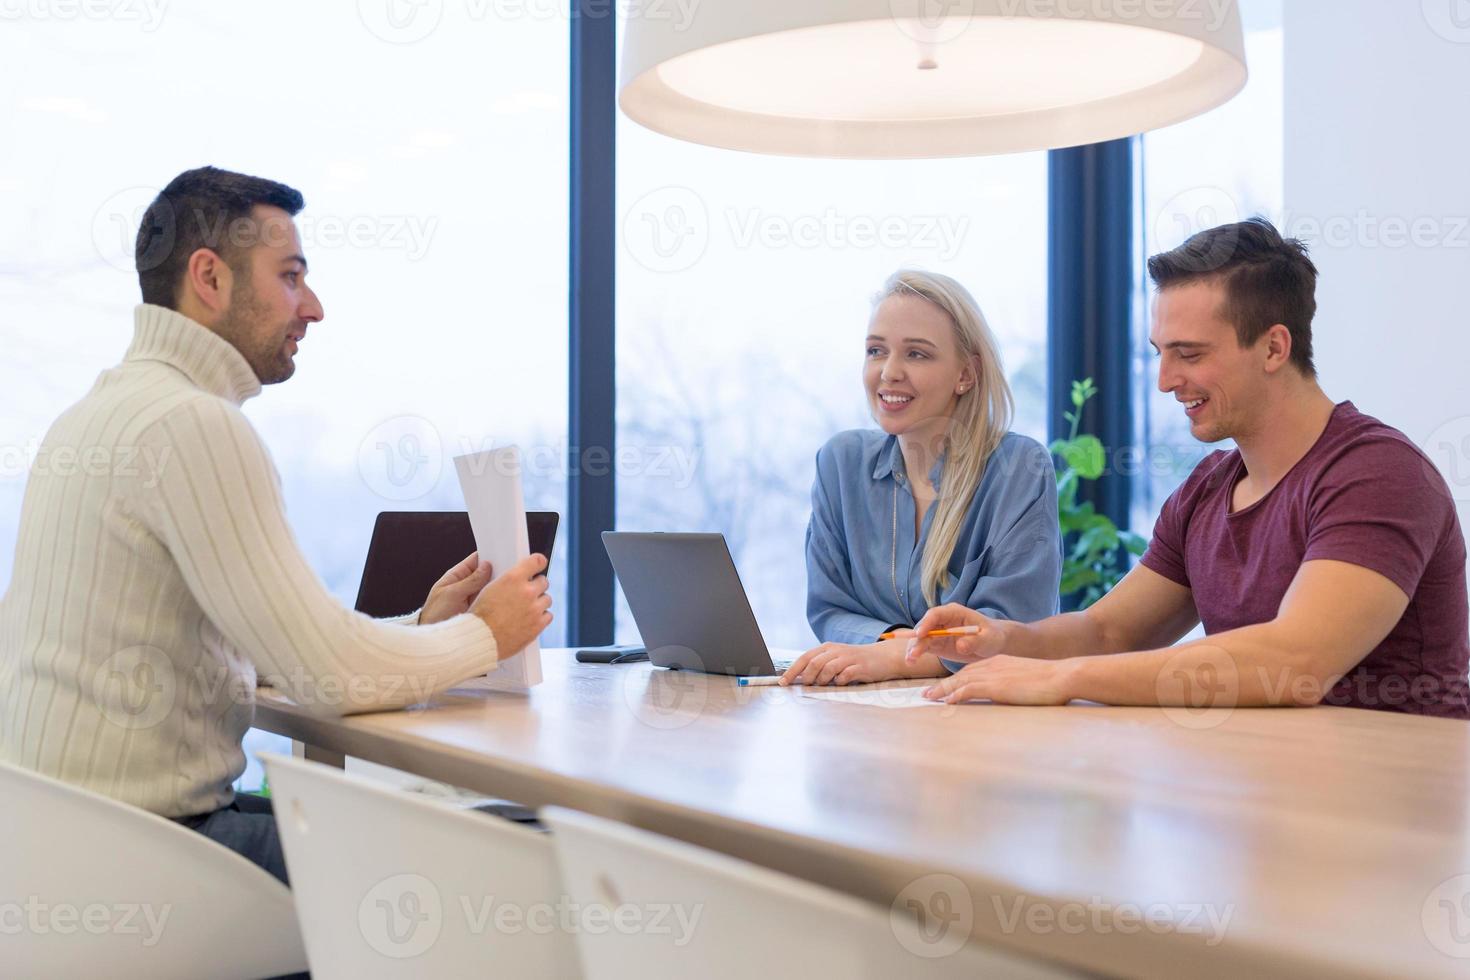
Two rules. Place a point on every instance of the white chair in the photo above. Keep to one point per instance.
(388, 884)
(93, 887)
(668, 909)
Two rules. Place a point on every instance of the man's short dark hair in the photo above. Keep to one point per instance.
(197, 210)
(1268, 280)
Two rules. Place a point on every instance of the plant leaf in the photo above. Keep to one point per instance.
(1085, 455)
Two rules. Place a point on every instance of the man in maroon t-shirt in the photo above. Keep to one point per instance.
(1323, 554)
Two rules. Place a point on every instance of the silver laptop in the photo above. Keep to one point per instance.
(690, 607)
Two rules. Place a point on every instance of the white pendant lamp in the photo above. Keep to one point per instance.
(889, 79)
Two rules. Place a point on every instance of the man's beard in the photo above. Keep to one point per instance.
(264, 350)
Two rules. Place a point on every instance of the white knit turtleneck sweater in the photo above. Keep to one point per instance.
(155, 576)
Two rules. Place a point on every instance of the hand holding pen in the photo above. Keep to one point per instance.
(955, 632)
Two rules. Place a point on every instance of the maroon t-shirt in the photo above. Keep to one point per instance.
(1362, 494)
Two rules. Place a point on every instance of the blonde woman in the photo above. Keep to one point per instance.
(941, 504)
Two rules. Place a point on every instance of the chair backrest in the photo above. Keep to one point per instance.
(683, 911)
(389, 884)
(94, 887)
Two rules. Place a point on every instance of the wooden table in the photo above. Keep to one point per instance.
(1258, 842)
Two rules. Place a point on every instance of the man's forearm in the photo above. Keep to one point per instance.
(1254, 666)
(1056, 638)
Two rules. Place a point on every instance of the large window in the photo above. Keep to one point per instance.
(431, 141)
(1224, 166)
(744, 287)
(431, 144)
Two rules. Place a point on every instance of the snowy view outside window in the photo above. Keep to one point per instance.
(432, 153)
(431, 144)
(744, 288)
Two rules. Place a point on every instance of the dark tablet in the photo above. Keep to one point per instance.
(410, 550)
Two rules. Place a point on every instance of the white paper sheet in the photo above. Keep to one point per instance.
(491, 483)
(878, 696)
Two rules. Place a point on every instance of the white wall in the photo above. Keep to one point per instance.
(1378, 143)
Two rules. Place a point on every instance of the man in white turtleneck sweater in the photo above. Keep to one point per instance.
(156, 579)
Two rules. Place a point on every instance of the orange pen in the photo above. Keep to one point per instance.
(952, 631)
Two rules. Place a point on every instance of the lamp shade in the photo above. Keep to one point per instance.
(889, 79)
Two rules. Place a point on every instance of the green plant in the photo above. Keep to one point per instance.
(1091, 562)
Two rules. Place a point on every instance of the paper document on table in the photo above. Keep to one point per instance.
(911, 696)
(491, 483)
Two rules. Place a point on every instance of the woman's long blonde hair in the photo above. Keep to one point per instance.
(981, 418)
